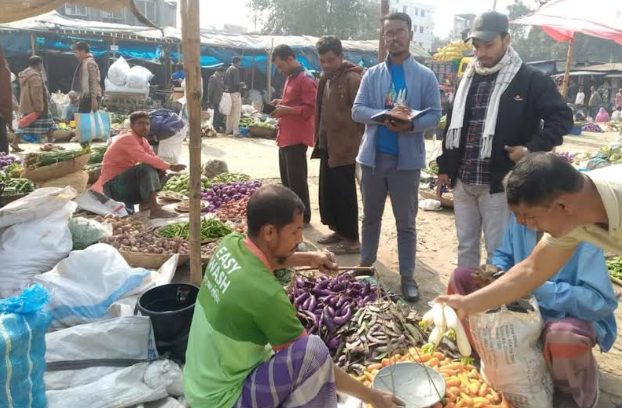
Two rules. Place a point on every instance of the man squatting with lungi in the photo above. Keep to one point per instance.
(246, 347)
(131, 172)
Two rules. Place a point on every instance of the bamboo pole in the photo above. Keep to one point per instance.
(382, 51)
(192, 65)
(568, 64)
(269, 90)
(33, 44)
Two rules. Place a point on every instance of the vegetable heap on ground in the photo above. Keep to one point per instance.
(6, 160)
(233, 209)
(591, 127)
(97, 154)
(211, 229)
(36, 160)
(324, 304)
(17, 186)
(181, 184)
(132, 235)
(220, 193)
(465, 386)
(378, 330)
(230, 178)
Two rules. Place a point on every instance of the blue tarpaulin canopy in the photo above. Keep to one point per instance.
(55, 32)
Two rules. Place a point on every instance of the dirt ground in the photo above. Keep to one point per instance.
(437, 243)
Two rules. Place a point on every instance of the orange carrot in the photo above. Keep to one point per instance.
(440, 356)
(479, 402)
(385, 362)
(453, 382)
(448, 371)
(433, 362)
(423, 358)
(372, 367)
(495, 397)
(474, 388)
(483, 390)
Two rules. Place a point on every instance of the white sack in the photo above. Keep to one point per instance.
(118, 72)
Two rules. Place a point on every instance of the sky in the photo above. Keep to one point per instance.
(216, 13)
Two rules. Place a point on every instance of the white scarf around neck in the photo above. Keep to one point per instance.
(507, 69)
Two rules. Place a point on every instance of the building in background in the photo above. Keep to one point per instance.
(462, 25)
(422, 15)
(162, 12)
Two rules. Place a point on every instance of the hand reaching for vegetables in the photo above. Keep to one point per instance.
(456, 302)
(325, 262)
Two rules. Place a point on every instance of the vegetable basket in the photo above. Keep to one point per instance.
(429, 194)
(263, 132)
(57, 170)
(150, 261)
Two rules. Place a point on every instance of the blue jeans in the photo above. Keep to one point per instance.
(402, 186)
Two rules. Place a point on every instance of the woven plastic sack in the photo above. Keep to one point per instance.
(23, 324)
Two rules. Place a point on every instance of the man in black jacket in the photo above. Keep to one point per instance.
(496, 119)
(215, 88)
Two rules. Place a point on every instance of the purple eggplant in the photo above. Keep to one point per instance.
(323, 284)
(312, 303)
(330, 311)
(322, 292)
(333, 343)
(300, 299)
(330, 326)
(345, 318)
(305, 304)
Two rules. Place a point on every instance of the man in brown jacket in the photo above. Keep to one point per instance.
(34, 99)
(337, 139)
(87, 79)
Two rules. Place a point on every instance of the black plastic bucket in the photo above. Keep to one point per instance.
(175, 349)
(170, 308)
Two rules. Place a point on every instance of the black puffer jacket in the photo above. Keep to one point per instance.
(530, 99)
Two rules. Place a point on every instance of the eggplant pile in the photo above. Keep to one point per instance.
(325, 304)
(379, 330)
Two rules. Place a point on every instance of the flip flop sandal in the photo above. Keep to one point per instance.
(330, 239)
(344, 249)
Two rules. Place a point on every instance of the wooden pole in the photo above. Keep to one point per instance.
(568, 64)
(33, 44)
(382, 51)
(269, 90)
(192, 63)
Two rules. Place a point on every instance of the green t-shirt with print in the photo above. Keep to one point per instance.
(241, 311)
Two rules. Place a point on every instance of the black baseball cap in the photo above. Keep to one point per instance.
(488, 25)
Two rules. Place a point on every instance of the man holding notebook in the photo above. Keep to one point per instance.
(392, 152)
(502, 111)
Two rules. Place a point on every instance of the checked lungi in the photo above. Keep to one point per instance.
(135, 185)
(568, 344)
(301, 375)
(40, 127)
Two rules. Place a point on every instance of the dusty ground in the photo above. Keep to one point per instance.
(437, 244)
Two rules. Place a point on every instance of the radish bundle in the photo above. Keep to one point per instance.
(446, 323)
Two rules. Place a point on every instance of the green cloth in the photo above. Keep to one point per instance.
(241, 311)
(136, 184)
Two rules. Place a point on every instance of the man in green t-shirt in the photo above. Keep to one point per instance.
(247, 348)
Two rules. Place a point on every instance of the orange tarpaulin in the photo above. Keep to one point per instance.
(15, 10)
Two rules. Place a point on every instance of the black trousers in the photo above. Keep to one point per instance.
(4, 137)
(339, 208)
(219, 118)
(293, 168)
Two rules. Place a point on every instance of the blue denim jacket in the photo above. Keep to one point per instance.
(422, 92)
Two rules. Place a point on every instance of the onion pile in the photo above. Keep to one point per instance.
(220, 194)
(233, 209)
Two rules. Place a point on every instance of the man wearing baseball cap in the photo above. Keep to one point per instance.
(495, 120)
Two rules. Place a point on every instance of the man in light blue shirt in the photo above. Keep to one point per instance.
(392, 154)
(577, 305)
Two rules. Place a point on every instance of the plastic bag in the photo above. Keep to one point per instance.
(36, 237)
(225, 104)
(118, 72)
(92, 126)
(508, 343)
(430, 205)
(138, 77)
(165, 123)
(170, 150)
(77, 180)
(23, 324)
(436, 151)
(122, 338)
(85, 232)
(84, 285)
(99, 204)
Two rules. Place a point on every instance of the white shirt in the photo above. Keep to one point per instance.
(616, 116)
(580, 99)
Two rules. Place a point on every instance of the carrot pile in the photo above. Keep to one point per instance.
(465, 386)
